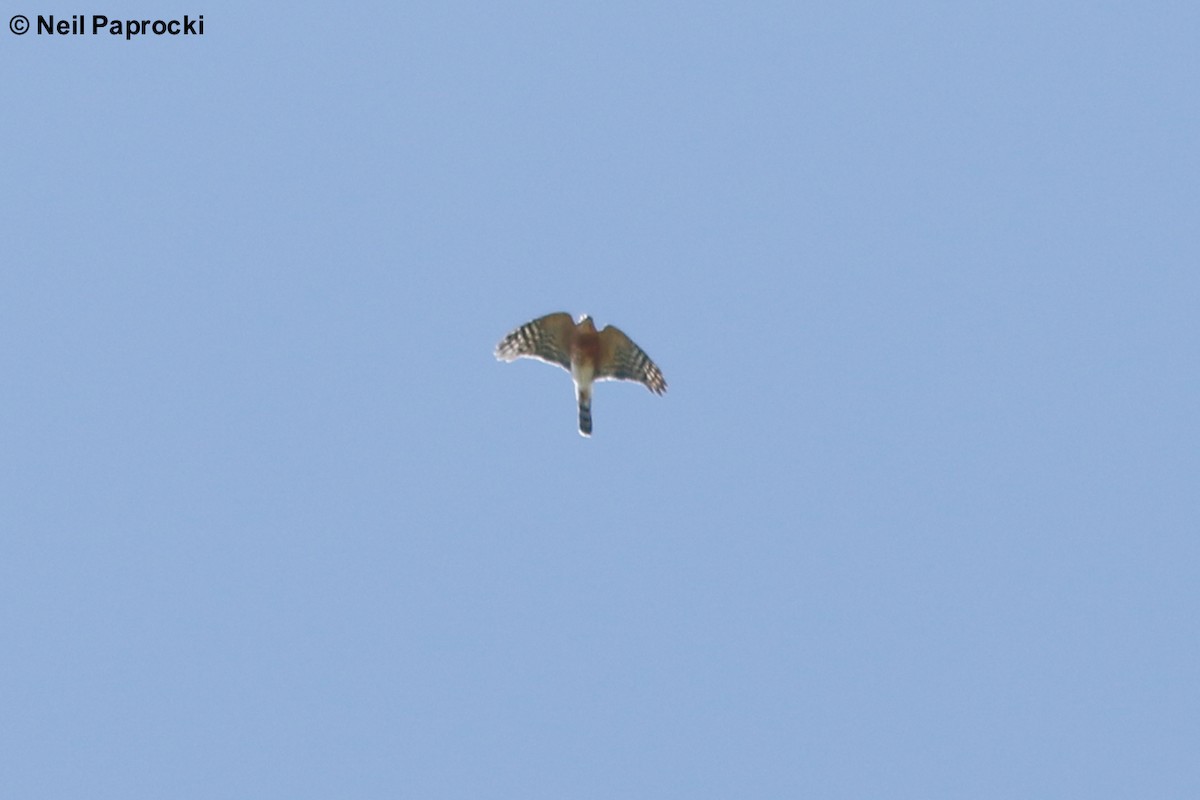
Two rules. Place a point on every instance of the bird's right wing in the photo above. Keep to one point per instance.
(546, 338)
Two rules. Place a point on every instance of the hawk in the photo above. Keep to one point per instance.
(607, 355)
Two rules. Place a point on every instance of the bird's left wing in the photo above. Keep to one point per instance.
(622, 360)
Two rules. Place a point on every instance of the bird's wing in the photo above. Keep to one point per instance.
(622, 360)
(546, 338)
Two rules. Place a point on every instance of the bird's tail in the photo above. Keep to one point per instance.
(585, 413)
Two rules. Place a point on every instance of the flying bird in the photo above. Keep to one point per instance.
(607, 355)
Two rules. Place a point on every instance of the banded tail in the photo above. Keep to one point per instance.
(585, 413)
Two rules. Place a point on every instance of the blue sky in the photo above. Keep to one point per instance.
(917, 518)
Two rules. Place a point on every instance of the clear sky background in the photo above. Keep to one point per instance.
(917, 518)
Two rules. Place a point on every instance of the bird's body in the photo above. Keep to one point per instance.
(588, 355)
